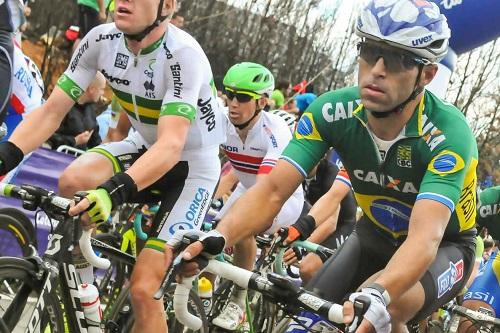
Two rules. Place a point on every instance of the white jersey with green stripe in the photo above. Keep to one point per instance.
(170, 77)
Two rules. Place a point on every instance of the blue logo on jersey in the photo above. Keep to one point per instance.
(179, 226)
(450, 277)
(445, 163)
(391, 214)
(305, 126)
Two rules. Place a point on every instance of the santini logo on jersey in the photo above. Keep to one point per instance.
(332, 114)
(176, 75)
(81, 51)
(385, 181)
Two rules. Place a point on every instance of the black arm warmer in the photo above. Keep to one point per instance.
(121, 188)
(10, 156)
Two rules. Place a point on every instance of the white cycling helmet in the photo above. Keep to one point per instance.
(414, 25)
(288, 117)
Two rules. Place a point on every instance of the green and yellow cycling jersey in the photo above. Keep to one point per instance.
(435, 158)
(488, 212)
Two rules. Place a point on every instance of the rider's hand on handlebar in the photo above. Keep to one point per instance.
(376, 317)
(97, 204)
(211, 243)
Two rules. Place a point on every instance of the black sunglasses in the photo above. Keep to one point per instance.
(394, 61)
(241, 96)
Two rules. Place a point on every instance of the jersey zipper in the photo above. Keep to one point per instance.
(136, 109)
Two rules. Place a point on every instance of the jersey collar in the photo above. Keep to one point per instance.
(414, 126)
(149, 48)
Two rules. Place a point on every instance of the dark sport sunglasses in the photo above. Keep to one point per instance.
(394, 61)
(241, 96)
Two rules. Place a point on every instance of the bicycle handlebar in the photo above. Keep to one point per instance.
(471, 314)
(272, 285)
(34, 197)
(89, 254)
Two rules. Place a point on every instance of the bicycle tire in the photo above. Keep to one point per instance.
(122, 320)
(24, 221)
(16, 239)
(18, 274)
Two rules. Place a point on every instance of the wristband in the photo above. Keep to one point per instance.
(382, 291)
(305, 226)
(121, 188)
(10, 156)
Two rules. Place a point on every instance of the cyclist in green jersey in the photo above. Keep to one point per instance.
(411, 158)
(162, 80)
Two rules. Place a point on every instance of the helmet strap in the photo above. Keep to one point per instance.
(399, 108)
(246, 123)
(159, 19)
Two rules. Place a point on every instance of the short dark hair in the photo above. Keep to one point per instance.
(310, 88)
(177, 15)
(283, 85)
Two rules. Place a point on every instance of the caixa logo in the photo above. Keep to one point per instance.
(197, 206)
(450, 277)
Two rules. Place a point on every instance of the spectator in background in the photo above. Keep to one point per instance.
(303, 100)
(91, 13)
(177, 20)
(282, 91)
(79, 128)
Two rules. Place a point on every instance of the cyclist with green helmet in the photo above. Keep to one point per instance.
(254, 144)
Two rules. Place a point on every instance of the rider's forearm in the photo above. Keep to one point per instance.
(155, 162)
(35, 129)
(323, 231)
(326, 207)
(241, 221)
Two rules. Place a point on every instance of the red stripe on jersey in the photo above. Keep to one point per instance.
(245, 170)
(244, 158)
(17, 104)
(265, 169)
(343, 173)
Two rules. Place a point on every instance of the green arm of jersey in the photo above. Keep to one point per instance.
(178, 109)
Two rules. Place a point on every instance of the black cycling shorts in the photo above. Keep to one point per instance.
(6, 68)
(366, 252)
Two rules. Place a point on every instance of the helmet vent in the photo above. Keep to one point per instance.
(257, 78)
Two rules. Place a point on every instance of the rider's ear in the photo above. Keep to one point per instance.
(428, 73)
(169, 7)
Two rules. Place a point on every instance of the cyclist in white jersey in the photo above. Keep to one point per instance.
(10, 20)
(163, 81)
(27, 89)
(254, 144)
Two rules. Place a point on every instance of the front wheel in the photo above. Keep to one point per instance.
(19, 293)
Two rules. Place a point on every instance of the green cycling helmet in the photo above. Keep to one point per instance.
(249, 76)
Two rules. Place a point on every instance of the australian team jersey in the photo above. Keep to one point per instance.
(170, 77)
(435, 159)
(488, 212)
(261, 150)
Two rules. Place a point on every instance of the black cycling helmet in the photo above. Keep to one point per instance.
(159, 18)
